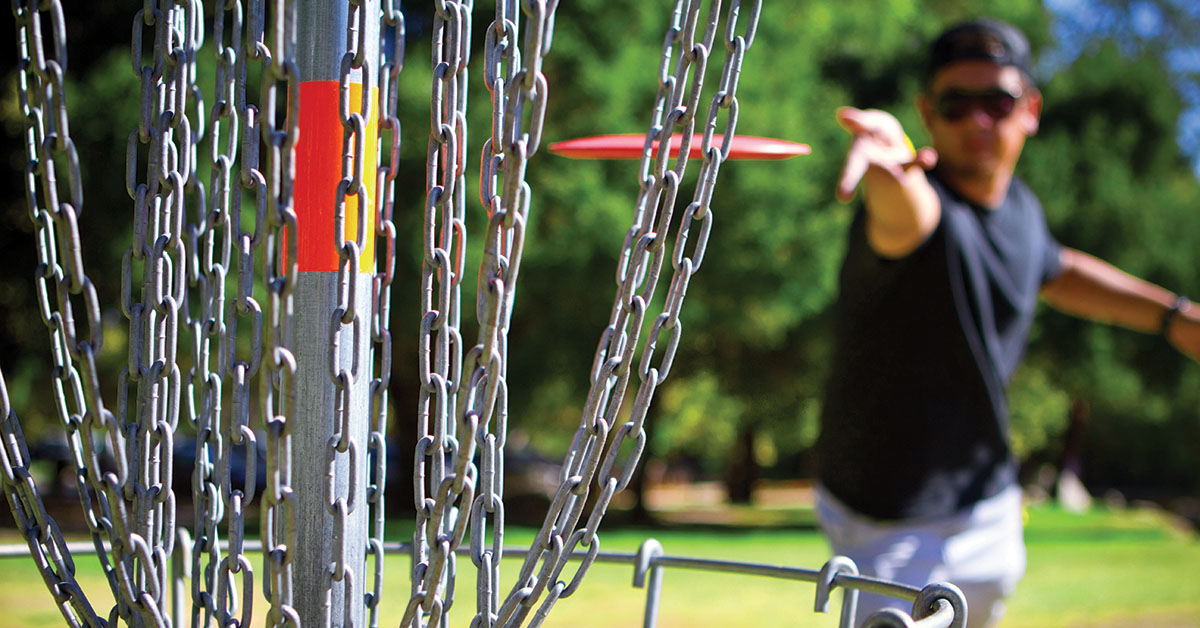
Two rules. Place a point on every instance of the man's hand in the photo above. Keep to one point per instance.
(902, 207)
(879, 148)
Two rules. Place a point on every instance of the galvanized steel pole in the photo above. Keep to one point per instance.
(333, 355)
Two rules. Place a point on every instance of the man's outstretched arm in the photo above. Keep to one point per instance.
(902, 208)
(1092, 288)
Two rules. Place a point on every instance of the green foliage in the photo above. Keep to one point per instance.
(1039, 411)
(702, 420)
(1113, 183)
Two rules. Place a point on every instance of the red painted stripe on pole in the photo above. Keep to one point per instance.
(631, 145)
(318, 173)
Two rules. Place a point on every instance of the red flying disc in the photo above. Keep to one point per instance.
(629, 146)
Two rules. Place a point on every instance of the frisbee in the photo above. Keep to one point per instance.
(630, 145)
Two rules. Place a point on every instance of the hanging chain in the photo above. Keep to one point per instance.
(211, 240)
(240, 238)
(516, 91)
(439, 528)
(677, 103)
(346, 322)
(166, 136)
(519, 93)
(185, 271)
(280, 267)
(48, 145)
(46, 543)
(391, 53)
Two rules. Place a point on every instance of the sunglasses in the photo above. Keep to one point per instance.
(956, 104)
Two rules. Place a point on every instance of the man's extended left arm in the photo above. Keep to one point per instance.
(1092, 288)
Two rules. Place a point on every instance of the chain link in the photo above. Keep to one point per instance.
(39, 529)
(184, 272)
(184, 268)
(347, 319)
(641, 258)
(437, 534)
(391, 62)
(167, 137)
(211, 239)
(474, 385)
(48, 144)
(187, 269)
(56, 223)
(280, 267)
(519, 93)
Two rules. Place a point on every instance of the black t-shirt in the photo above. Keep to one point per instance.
(915, 420)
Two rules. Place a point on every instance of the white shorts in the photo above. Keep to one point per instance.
(981, 551)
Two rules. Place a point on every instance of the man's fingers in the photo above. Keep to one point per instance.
(878, 142)
(859, 159)
(853, 170)
(857, 162)
(851, 119)
(926, 158)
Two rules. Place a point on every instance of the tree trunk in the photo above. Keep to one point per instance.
(743, 469)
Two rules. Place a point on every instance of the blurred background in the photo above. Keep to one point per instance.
(1116, 165)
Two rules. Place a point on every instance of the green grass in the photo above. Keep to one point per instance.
(1127, 568)
(1100, 569)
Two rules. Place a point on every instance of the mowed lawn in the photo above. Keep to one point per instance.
(1101, 569)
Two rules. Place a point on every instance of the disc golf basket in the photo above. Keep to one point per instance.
(317, 151)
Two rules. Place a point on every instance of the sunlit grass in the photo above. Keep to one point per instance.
(1104, 568)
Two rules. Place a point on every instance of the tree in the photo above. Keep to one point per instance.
(1126, 193)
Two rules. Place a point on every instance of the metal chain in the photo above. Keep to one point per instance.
(280, 268)
(184, 271)
(166, 135)
(439, 527)
(47, 139)
(48, 144)
(220, 227)
(677, 103)
(346, 319)
(40, 531)
(133, 506)
(218, 438)
(234, 602)
(519, 93)
(391, 62)
(211, 245)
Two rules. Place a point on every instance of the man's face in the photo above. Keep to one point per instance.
(978, 115)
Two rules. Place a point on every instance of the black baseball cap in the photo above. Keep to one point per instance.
(981, 38)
